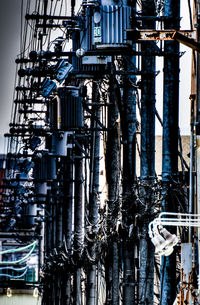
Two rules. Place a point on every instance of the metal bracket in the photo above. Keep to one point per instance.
(158, 34)
(187, 38)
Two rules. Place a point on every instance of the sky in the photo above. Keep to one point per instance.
(9, 48)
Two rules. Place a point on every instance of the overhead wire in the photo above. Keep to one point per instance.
(14, 269)
(19, 260)
(14, 276)
(19, 249)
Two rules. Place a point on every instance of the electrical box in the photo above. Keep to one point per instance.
(69, 108)
(106, 27)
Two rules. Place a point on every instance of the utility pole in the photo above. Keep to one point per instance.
(67, 222)
(196, 119)
(128, 121)
(147, 160)
(59, 152)
(170, 140)
(93, 200)
(112, 176)
(78, 224)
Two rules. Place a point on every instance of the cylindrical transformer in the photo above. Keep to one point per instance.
(69, 108)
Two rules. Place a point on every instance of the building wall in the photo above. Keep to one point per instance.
(158, 154)
(20, 299)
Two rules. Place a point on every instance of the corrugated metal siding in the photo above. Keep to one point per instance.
(71, 110)
(52, 113)
(115, 21)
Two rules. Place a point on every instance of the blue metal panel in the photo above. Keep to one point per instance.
(109, 30)
(115, 20)
(71, 109)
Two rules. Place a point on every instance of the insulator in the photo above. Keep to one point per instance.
(172, 239)
(159, 242)
(47, 87)
(163, 246)
(34, 142)
(33, 55)
(63, 71)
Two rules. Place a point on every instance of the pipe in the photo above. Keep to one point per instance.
(147, 160)
(112, 177)
(78, 223)
(170, 141)
(93, 201)
(128, 122)
(191, 177)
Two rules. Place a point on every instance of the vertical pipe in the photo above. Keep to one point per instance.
(68, 193)
(197, 67)
(112, 175)
(93, 201)
(191, 173)
(45, 14)
(147, 161)
(78, 191)
(58, 148)
(77, 288)
(170, 140)
(171, 95)
(78, 222)
(115, 274)
(67, 222)
(197, 119)
(128, 121)
(128, 127)
(41, 190)
(198, 198)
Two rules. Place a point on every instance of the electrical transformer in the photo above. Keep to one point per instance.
(105, 28)
(65, 112)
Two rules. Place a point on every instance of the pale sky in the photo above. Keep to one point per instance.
(9, 35)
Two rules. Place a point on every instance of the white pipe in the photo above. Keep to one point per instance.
(193, 221)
